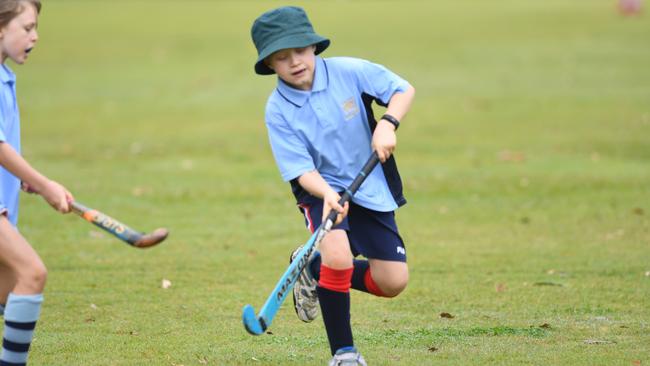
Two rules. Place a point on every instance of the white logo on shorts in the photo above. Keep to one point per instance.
(401, 250)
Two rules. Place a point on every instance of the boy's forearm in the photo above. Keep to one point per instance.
(314, 183)
(400, 103)
(18, 166)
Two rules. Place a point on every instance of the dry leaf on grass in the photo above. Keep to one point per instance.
(598, 341)
(166, 284)
(548, 284)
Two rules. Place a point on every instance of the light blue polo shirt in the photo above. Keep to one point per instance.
(327, 129)
(10, 134)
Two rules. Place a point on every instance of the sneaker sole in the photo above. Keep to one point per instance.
(300, 316)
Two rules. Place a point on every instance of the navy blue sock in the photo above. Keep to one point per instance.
(360, 268)
(335, 307)
(314, 267)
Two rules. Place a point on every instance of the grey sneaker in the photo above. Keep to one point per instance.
(305, 297)
(348, 356)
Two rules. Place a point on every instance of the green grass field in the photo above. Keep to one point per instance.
(526, 160)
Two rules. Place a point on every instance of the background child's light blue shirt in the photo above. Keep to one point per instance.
(10, 134)
(327, 128)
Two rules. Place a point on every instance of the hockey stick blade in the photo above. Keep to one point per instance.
(252, 324)
(149, 240)
(256, 325)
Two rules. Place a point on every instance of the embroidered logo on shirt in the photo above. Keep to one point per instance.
(350, 109)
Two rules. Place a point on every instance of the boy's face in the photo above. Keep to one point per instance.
(19, 36)
(295, 66)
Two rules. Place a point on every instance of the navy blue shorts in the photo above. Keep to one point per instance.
(372, 234)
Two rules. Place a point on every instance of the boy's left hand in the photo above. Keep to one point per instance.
(384, 140)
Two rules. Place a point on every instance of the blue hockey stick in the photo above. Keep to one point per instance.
(257, 324)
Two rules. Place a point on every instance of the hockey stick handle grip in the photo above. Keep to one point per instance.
(78, 208)
(356, 183)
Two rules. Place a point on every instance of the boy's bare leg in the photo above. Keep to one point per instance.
(7, 283)
(390, 276)
(19, 258)
(335, 250)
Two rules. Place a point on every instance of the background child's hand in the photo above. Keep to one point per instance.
(57, 196)
(331, 202)
(384, 140)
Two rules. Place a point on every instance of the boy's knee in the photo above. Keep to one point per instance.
(40, 274)
(393, 287)
(390, 277)
(33, 276)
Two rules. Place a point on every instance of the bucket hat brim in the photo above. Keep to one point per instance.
(290, 41)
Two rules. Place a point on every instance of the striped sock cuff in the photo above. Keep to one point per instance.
(23, 308)
(22, 312)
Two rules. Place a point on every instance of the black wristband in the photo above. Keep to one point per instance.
(394, 121)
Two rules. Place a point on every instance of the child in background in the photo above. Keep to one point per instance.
(22, 273)
(322, 130)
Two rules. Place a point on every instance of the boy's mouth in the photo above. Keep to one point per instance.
(298, 73)
(27, 51)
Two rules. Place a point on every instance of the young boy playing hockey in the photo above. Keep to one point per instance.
(322, 130)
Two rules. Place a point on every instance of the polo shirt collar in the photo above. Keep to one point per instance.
(299, 97)
(6, 75)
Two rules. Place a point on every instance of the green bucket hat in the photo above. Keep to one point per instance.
(281, 28)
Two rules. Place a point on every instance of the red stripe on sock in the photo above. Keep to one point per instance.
(338, 280)
(371, 285)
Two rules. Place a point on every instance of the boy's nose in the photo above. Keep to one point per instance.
(293, 58)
